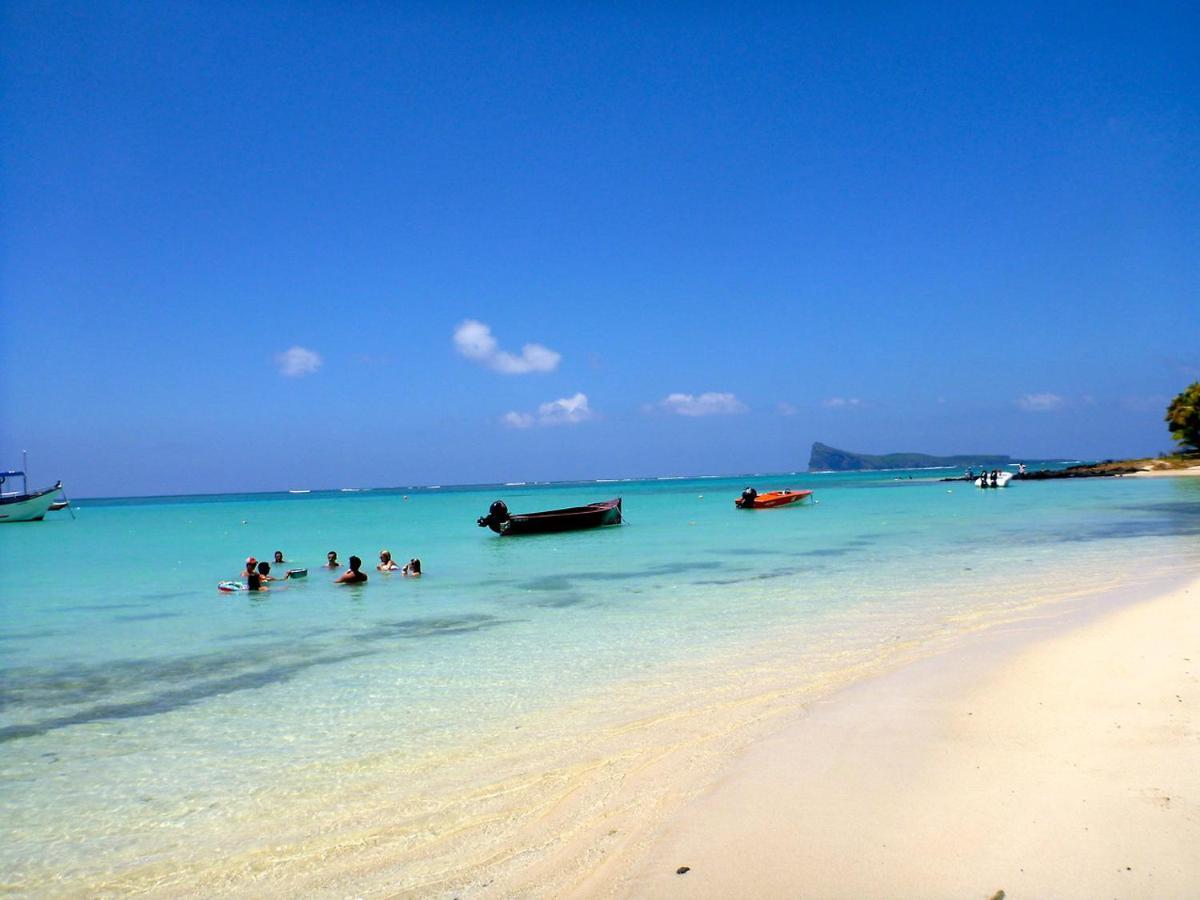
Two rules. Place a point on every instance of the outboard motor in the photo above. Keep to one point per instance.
(749, 495)
(497, 513)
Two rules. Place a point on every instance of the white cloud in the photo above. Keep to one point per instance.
(786, 409)
(517, 419)
(474, 340)
(297, 362)
(709, 404)
(564, 411)
(842, 403)
(1040, 402)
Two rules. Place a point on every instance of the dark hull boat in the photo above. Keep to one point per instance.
(594, 515)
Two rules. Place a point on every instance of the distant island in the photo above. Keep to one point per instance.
(830, 459)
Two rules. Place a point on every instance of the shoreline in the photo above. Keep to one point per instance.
(1049, 757)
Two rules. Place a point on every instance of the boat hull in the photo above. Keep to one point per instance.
(575, 518)
(28, 507)
(1002, 480)
(773, 499)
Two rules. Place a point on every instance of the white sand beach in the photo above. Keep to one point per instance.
(1191, 471)
(1068, 769)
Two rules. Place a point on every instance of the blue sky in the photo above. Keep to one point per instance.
(733, 231)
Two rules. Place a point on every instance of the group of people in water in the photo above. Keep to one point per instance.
(355, 575)
(258, 574)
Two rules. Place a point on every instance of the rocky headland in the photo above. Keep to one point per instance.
(824, 458)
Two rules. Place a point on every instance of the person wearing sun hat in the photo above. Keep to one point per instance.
(253, 579)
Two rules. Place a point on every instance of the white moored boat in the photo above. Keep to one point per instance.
(24, 506)
(986, 481)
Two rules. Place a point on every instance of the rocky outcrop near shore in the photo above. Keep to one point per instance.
(1098, 470)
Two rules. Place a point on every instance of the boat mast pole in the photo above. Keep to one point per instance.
(24, 472)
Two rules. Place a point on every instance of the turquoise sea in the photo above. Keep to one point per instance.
(413, 734)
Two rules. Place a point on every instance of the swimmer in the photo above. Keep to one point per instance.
(279, 560)
(331, 560)
(352, 575)
(386, 563)
(413, 568)
(264, 572)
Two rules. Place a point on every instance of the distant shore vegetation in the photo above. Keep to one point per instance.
(1183, 419)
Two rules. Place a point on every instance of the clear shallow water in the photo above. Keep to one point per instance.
(151, 726)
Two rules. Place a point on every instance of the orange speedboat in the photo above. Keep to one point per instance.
(752, 499)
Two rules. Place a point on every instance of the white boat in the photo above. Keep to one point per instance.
(24, 506)
(1002, 480)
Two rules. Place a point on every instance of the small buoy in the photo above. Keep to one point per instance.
(683, 870)
(701, 497)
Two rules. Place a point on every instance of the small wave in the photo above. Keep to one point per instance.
(305, 491)
(515, 483)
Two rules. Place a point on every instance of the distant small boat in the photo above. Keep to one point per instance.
(752, 499)
(1001, 480)
(24, 506)
(575, 518)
